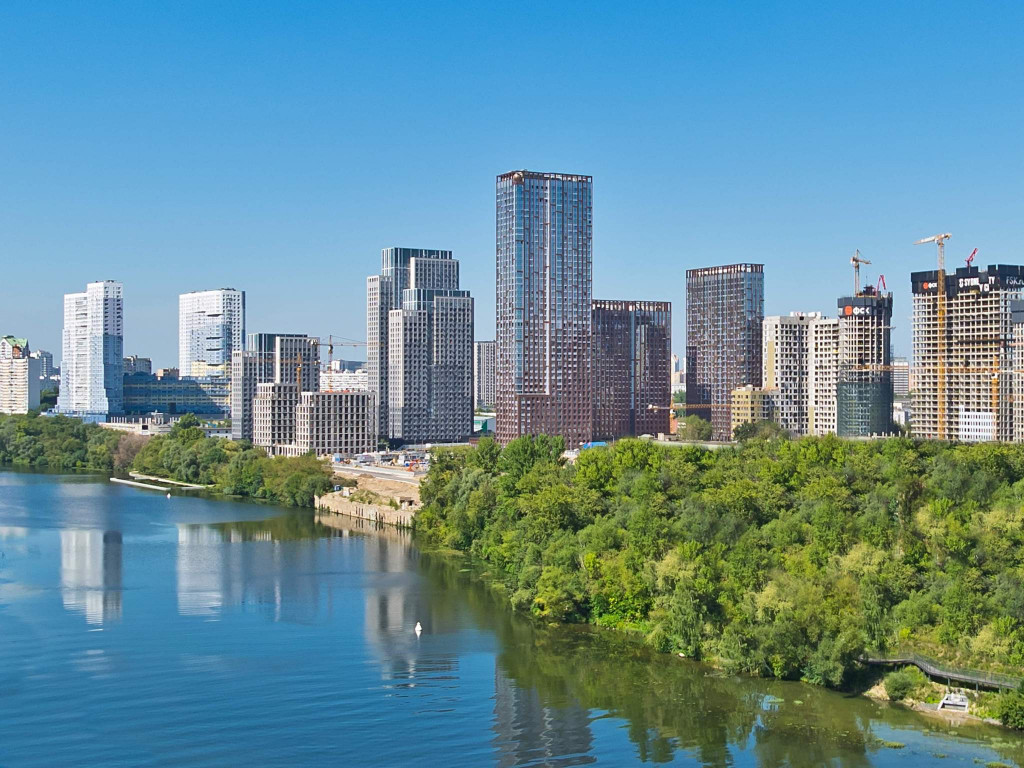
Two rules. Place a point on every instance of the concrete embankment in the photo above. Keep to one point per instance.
(384, 514)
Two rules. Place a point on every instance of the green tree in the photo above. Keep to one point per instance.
(693, 427)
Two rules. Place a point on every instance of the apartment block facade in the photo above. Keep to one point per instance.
(19, 376)
(484, 373)
(92, 352)
(269, 357)
(430, 356)
(963, 354)
(632, 368)
(211, 326)
(342, 422)
(544, 262)
(724, 315)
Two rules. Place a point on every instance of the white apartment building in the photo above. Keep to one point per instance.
(785, 362)
(900, 377)
(19, 376)
(799, 367)
(211, 326)
(46, 367)
(334, 423)
(92, 362)
(484, 369)
(822, 375)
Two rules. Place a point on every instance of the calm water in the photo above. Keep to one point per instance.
(141, 631)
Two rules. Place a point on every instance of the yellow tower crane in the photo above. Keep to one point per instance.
(940, 311)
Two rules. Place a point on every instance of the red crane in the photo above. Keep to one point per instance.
(971, 257)
(881, 286)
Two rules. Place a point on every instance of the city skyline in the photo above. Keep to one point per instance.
(742, 148)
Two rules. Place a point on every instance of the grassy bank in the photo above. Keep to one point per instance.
(777, 558)
(186, 454)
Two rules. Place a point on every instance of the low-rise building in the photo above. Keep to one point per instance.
(166, 392)
(751, 404)
(328, 423)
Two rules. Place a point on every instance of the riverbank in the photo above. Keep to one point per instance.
(784, 559)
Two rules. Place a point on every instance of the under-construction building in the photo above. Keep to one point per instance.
(963, 353)
(864, 385)
(632, 367)
(724, 312)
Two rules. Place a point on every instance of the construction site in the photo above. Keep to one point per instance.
(963, 342)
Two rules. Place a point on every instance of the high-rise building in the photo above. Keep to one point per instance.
(384, 292)
(136, 364)
(19, 376)
(786, 360)
(900, 377)
(864, 386)
(292, 356)
(296, 364)
(484, 360)
(430, 356)
(632, 348)
(92, 356)
(822, 375)
(963, 353)
(544, 289)
(46, 366)
(211, 325)
(724, 313)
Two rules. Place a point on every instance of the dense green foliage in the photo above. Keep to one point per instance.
(693, 427)
(58, 442)
(901, 683)
(782, 558)
(235, 468)
(1011, 709)
(186, 454)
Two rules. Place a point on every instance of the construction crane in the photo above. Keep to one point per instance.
(880, 285)
(344, 342)
(971, 257)
(856, 261)
(940, 306)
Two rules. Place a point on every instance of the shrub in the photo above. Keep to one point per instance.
(898, 685)
(1011, 709)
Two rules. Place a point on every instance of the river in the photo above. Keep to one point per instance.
(137, 630)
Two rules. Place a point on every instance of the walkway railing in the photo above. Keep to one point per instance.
(933, 668)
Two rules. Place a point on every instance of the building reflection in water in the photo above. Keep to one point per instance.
(225, 565)
(530, 732)
(90, 573)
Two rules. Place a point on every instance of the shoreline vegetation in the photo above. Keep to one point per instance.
(776, 558)
(185, 455)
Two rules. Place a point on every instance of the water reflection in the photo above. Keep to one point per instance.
(273, 572)
(90, 573)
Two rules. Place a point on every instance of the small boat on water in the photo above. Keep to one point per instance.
(955, 701)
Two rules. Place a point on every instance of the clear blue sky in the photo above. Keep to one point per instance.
(277, 147)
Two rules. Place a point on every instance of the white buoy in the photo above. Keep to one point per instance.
(419, 627)
(168, 495)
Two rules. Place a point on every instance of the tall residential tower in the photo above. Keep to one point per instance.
(211, 325)
(544, 253)
(92, 359)
(724, 312)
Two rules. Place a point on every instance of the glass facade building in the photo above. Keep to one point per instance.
(632, 368)
(724, 313)
(544, 260)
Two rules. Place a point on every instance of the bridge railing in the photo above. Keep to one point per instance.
(940, 669)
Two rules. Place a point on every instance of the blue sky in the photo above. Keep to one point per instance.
(277, 147)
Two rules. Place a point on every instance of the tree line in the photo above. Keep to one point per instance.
(186, 454)
(777, 558)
